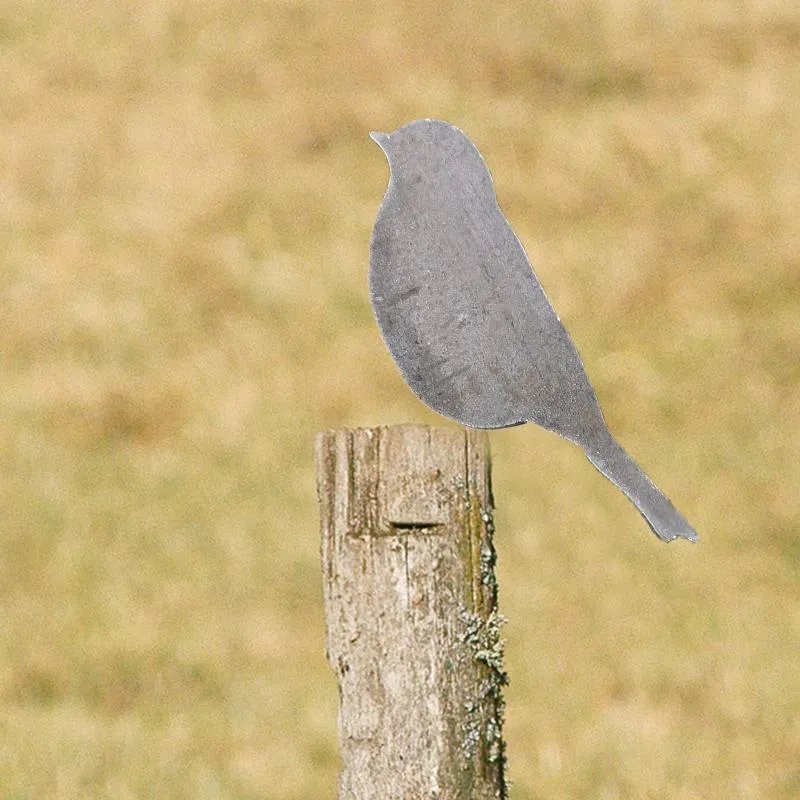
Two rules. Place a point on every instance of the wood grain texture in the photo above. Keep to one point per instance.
(411, 611)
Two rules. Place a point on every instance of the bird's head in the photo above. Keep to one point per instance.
(425, 149)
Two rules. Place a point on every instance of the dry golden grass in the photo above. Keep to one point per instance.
(186, 195)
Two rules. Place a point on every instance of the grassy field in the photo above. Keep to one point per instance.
(186, 195)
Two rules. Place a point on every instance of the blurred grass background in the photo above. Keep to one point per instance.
(186, 195)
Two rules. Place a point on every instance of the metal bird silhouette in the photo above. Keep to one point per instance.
(466, 320)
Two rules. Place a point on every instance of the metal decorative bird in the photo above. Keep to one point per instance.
(466, 320)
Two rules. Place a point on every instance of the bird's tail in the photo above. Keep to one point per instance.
(665, 520)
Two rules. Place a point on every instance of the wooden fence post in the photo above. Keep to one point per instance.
(411, 612)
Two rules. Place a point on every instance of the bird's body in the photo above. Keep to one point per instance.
(466, 319)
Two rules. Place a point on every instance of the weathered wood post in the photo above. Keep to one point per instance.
(411, 612)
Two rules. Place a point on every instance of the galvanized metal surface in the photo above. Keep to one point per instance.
(466, 320)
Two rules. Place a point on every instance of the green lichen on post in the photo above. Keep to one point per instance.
(481, 742)
(488, 557)
(481, 638)
(483, 556)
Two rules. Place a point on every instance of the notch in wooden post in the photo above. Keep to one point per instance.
(411, 611)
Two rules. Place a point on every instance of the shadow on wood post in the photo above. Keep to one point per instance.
(411, 611)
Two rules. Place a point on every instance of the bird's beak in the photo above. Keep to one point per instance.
(381, 139)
